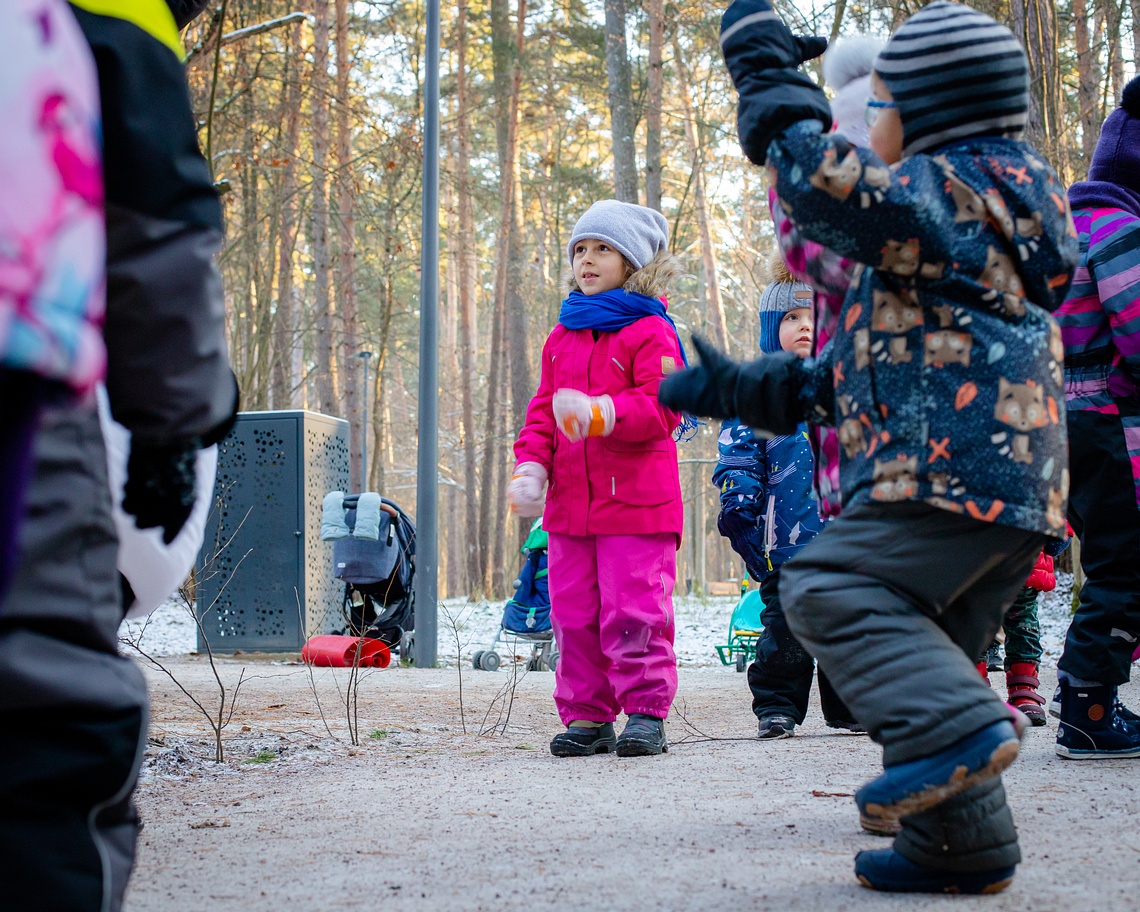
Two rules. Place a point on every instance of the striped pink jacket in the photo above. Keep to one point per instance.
(1100, 319)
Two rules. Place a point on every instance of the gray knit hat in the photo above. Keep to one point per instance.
(955, 73)
(638, 233)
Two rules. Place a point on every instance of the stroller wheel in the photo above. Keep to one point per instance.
(741, 661)
(490, 660)
(552, 661)
(475, 659)
(407, 648)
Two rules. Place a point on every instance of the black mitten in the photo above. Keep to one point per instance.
(768, 392)
(764, 59)
(159, 491)
(706, 390)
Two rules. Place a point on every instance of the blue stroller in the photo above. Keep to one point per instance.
(526, 617)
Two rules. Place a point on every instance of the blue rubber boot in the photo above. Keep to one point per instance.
(1091, 726)
(907, 788)
(887, 870)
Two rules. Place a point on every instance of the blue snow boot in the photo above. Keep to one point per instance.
(1091, 726)
(584, 741)
(907, 788)
(642, 736)
(1121, 710)
(887, 870)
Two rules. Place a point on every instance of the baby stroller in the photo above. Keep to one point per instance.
(526, 617)
(744, 628)
(379, 576)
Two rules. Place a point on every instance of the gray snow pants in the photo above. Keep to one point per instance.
(72, 710)
(895, 601)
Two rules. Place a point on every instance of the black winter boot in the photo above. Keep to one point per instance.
(643, 736)
(584, 741)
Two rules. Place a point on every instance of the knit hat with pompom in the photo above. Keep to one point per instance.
(1117, 156)
(783, 293)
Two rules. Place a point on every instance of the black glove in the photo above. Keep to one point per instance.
(707, 390)
(159, 491)
(763, 394)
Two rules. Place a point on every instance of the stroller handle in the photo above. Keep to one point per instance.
(351, 500)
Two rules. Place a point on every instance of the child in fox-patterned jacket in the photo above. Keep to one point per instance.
(944, 379)
(768, 512)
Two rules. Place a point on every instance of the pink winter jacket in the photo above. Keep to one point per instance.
(626, 483)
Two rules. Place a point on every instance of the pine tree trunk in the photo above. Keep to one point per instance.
(623, 119)
(655, 11)
(467, 374)
(346, 252)
(717, 325)
(319, 221)
(490, 499)
(508, 47)
(284, 339)
(1035, 24)
(1086, 81)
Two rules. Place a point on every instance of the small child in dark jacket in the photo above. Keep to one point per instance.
(1023, 648)
(768, 512)
(944, 379)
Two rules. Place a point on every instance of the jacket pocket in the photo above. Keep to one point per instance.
(639, 474)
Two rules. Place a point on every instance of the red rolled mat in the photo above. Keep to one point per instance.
(329, 651)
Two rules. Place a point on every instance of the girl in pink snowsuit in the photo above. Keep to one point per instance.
(613, 508)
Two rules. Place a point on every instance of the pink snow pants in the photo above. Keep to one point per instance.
(611, 605)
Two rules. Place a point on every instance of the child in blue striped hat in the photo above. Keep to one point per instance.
(944, 381)
(768, 512)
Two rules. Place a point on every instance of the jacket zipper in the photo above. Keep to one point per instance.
(770, 529)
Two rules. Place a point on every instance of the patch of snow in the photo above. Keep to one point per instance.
(168, 630)
(701, 625)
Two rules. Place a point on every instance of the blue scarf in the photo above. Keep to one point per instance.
(610, 311)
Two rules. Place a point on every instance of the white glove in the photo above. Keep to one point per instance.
(527, 490)
(578, 415)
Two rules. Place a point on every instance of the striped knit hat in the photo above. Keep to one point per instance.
(955, 73)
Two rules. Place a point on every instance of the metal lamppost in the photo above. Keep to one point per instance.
(427, 480)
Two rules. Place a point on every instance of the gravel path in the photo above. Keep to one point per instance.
(422, 815)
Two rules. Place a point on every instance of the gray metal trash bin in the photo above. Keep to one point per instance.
(265, 578)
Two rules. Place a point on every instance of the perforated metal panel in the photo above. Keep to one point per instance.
(265, 577)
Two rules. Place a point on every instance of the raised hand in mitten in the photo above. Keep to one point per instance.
(764, 394)
(578, 415)
(159, 490)
(527, 491)
(707, 390)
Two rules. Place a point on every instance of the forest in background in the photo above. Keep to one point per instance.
(310, 113)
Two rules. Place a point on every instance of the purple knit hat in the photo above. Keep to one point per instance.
(1114, 173)
(1117, 155)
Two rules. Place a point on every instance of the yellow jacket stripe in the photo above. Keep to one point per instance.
(152, 16)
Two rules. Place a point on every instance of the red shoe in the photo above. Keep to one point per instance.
(1022, 682)
(983, 671)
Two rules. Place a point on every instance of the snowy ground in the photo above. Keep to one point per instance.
(702, 625)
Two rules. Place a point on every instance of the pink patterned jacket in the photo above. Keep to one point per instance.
(52, 247)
